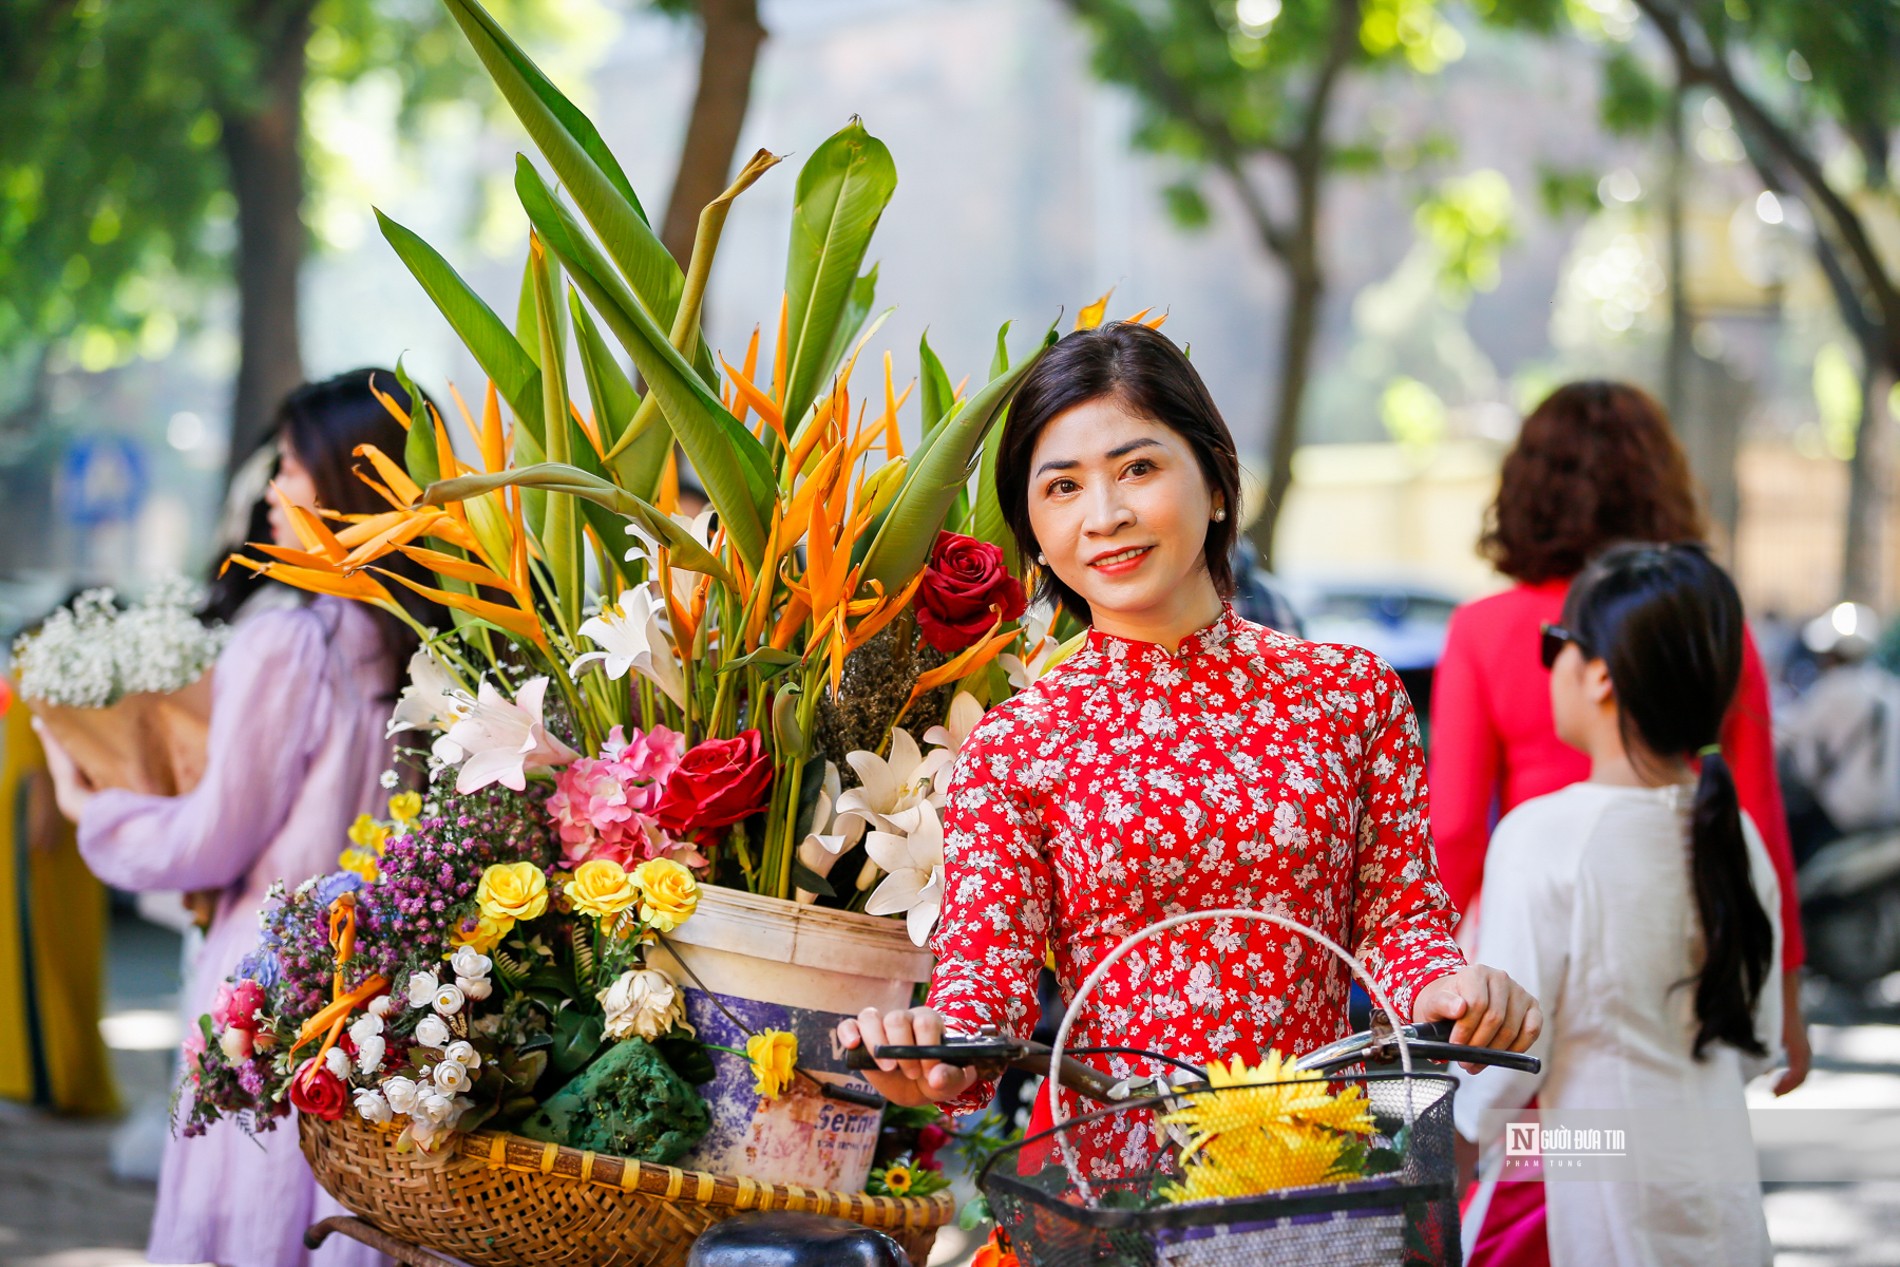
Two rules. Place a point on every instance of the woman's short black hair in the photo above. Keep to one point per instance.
(1149, 376)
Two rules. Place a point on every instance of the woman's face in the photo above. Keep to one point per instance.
(1120, 510)
(1582, 701)
(294, 486)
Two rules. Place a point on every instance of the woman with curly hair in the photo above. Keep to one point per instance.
(1594, 465)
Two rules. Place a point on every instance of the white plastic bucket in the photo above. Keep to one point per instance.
(749, 963)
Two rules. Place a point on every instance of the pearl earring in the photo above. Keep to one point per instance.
(1220, 514)
(1042, 560)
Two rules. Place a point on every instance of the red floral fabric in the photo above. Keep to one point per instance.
(1251, 769)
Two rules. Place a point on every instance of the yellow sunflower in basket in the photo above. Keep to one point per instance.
(1264, 1127)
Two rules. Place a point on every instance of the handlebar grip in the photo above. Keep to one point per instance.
(1431, 1032)
(859, 1058)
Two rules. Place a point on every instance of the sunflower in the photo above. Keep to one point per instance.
(1266, 1127)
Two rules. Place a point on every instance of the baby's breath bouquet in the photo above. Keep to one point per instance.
(126, 689)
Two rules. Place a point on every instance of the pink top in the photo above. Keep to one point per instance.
(296, 747)
(1495, 745)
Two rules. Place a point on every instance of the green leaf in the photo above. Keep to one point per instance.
(687, 1056)
(580, 159)
(577, 1037)
(637, 467)
(936, 393)
(857, 309)
(561, 539)
(419, 457)
(935, 478)
(841, 192)
(552, 477)
(768, 660)
(1000, 362)
(986, 517)
(488, 340)
(730, 460)
(803, 877)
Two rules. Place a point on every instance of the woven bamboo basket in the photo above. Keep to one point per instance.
(499, 1200)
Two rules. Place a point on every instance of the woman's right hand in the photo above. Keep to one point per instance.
(906, 1082)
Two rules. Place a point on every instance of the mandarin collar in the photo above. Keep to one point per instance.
(1207, 640)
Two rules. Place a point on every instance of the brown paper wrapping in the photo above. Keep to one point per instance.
(144, 743)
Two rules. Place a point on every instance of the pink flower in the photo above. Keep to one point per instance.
(600, 805)
(194, 1050)
(238, 1004)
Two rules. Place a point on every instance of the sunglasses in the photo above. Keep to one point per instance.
(1551, 644)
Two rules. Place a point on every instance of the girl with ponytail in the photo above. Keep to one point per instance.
(1642, 908)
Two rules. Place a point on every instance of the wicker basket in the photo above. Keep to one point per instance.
(500, 1200)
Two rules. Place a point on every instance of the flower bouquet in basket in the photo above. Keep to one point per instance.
(126, 690)
(682, 771)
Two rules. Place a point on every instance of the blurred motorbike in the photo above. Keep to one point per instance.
(1839, 752)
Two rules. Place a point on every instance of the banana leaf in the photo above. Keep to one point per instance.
(937, 475)
(840, 195)
(729, 459)
(571, 480)
(586, 167)
(488, 340)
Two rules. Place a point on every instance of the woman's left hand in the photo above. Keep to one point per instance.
(1487, 1007)
(71, 788)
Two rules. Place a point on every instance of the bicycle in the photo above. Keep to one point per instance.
(1056, 1215)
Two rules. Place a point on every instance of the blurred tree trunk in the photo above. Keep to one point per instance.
(262, 142)
(727, 56)
(1866, 499)
(1676, 357)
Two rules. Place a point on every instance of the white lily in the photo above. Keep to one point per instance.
(431, 701)
(914, 886)
(1039, 652)
(699, 527)
(832, 833)
(498, 740)
(958, 722)
(630, 638)
(891, 789)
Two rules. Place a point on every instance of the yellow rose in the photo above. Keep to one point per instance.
(360, 862)
(601, 888)
(487, 931)
(512, 891)
(405, 807)
(367, 833)
(668, 893)
(772, 1052)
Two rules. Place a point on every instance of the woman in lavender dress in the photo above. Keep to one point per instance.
(300, 700)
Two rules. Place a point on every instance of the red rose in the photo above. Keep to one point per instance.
(962, 590)
(318, 1092)
(717, 783)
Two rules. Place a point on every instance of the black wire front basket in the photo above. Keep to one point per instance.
(1128, 1186)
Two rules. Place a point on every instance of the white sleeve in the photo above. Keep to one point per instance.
(1524, 930)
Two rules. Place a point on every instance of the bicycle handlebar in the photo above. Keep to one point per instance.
(991, 1054)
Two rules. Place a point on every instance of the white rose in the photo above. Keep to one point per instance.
(432, 1031)
(364, 1028)
(235, 1043)
(369, 1054)
(643, 1001)
(337, 1061)
(372, 1107)
(381, 1006)
(476, 988)
(469, 962)
(425, 1133)
(463, 1053)
(450, 1076)
(448, 1000)
(402, 1094)
(436, 1107)
(422, 988)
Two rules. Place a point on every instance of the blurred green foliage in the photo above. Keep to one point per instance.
(115, 199)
